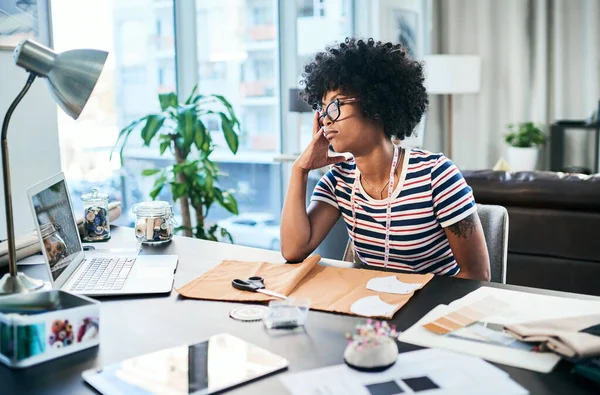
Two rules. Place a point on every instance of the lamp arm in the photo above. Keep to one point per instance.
(12, 255)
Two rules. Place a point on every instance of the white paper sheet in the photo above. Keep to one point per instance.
(527, 307)
(373, 306)
(540, 362)
(450, 372)
(391, 285)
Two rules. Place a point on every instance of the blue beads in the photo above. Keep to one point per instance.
(96, 225)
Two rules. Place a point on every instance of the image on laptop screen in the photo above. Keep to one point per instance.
(57, 226)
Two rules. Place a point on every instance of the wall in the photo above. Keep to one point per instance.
(32, 140)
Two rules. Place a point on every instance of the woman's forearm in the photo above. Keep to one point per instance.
(295, 224)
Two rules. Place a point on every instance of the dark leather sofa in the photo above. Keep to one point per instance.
(554, 226)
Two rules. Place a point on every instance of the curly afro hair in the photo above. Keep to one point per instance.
(388, 83)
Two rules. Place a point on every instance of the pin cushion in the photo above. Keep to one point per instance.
(155, 222)
(95, 210)
(372, 347)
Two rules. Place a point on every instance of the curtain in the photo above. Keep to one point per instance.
(540, 62)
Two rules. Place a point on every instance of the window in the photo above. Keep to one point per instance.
(127, 90)
(321, 7)
(312, 8)
(133, 75)
(212, 71)
(238, 40)
(312, 34)
(158, 27)
(261, 15)
(306, 8)
(161, 76)
(237, 57)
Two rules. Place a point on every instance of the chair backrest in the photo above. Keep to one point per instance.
(494, 222)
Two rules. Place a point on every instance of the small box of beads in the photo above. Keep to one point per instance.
(372, 347)
(96, 226)
(154, 223)
(40, 326)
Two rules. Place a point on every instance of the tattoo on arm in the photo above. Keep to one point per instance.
(465, 227)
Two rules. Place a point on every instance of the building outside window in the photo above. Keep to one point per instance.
(237, 46)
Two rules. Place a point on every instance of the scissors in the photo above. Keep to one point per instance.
(255, 284)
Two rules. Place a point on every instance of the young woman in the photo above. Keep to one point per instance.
(405, 209)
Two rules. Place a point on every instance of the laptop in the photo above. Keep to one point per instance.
(92, 273)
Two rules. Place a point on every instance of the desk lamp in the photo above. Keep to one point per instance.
(71, 77)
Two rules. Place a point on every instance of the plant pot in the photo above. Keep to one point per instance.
(522, 159)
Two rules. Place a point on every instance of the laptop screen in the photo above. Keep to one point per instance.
(57, 226)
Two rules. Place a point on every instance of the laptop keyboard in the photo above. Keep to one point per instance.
(104, 274)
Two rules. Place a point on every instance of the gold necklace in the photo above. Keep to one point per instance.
(380, 192)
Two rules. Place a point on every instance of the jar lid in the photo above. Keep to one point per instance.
(153, 208)
(47, 229)
(94, 196)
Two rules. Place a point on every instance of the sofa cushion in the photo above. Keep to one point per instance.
(554, 233)
(540, 189)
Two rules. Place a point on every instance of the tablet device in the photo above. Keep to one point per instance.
(221, 362)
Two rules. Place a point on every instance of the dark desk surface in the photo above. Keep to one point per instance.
(131, 326)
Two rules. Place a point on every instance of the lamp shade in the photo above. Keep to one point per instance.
(71, 75)
(452, 74)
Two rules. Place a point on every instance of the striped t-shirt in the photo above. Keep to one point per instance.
(431, 195)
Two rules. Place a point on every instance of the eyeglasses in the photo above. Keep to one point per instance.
(332, 111)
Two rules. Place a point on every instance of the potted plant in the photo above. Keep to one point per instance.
(194, 177)
(524, 140)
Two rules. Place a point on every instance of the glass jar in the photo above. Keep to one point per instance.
(55, 246)
(155, 222)
(96, 226)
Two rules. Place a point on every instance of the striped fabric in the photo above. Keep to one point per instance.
(431, 195)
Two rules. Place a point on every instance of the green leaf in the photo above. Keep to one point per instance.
(184, 150)
(178, 190)
(159, 184)
(178, 168)
(187, 118)
(153, 124)
(125, 133)
(163, 146)
(525, 134)
(201, 180)
(230, 136)
(210, 167)
(156, 191)
(190, 169)
(167, 100)
(201, 135)
(150, 172)
(210, 235)
(229, 108)
(229, 203)
(209, 180)
(190, 99)
(225, 234)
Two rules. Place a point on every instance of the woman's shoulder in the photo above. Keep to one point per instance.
(346, 167)
(423, 158)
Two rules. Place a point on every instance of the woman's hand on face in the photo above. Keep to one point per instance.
(316, 155)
